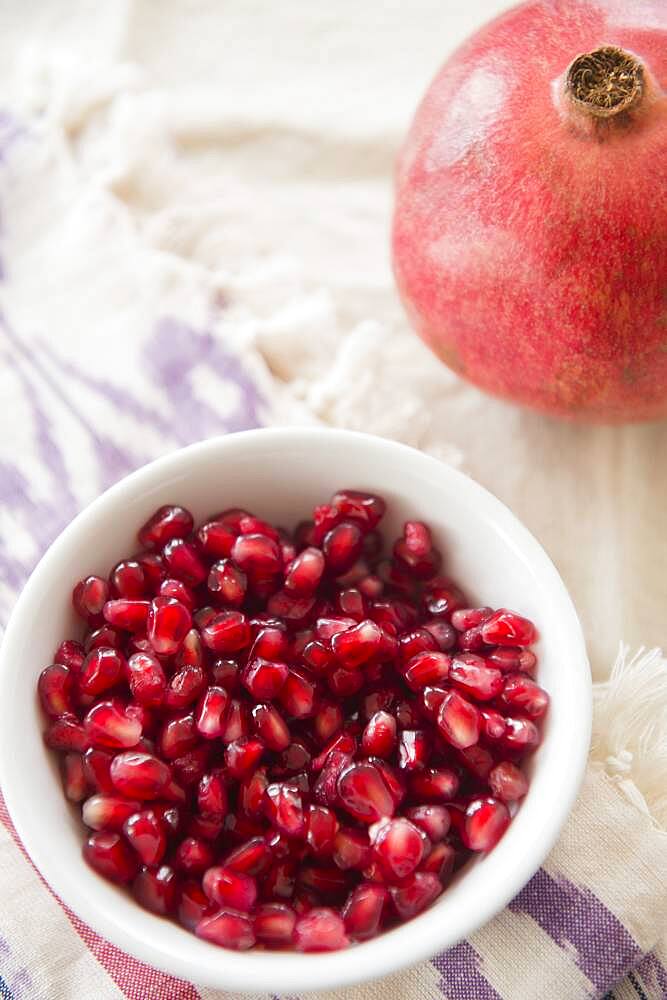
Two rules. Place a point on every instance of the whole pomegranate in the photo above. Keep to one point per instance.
(530, 229)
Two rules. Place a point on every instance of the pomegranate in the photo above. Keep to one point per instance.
(530, 228)
(280, 767)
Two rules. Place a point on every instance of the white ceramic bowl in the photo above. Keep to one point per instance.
(281, 474)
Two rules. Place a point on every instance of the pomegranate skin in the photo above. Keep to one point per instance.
(530, 238)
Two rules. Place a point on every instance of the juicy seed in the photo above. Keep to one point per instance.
(228, 929)
(321, 929)
(507, 628)
(458, 721)
(362, 913)
(111, 856)
(168, 624)
(507, 782)
(486, 820)
(379, 736)
(415, 894)
(364, 794)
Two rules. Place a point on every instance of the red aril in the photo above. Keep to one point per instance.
(243, 755)
(506, 628)
(89, 598)
(414, 750)
(227, 583)
(434, 785)
(507, 782)
(458, 721)
(75, 781)
(146, 833)
(357, 645)
(166, 523)
(128, 580)
(351, 849)
(522, 694)
(179, 592)
(229, 888)
(193, 856)
(284, 809)
(252, 857)
(274, 924)
(399, 847)
(157, 889)
(227, 928)
(363, 793)
(321, 929)
(270, 726)
(111, 856)
(71, 654)
(470, 673)
(108, 812)
(183, 561)
(211, 713)
(168, 624)
(305, 572)
(139, 775)
(212, 796)
(264, 679)
(414, 895)
(108, 725)
(227, 632)
(486, 820)
(426, 669)
(129, 615)
(146, 678)
(321, 829)
(102, 669)
(193, 905)
(362, 913)
(55, 690)
(434, 820)
(379, 737)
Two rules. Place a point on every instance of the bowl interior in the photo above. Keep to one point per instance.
(281, 475)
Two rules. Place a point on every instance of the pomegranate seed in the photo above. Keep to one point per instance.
(243, 755)
(357, 645)
(364, 508)
(96, 764)
(458, 721)
(362, 913)
(193, 856)
(227, 632)
(284, 809)
(183, 561)
(236, 724)
(177, 736)
(443, 633)
(157, 890)
(328, 883)
(510, 659)
(467, 618)
(169, 622)
(492, 723)
(166, 523)
(296, 757)
(89, 597)
(228, 583)
(216, 540)
(252, 792)
(364, 794)
(434, 785)
(352, 849)
(399, 847)
(185, 687)
(271, 643)
(251, 858)
(344, 683)
(225, 674)
(139, 775)
(264, 679)
(228, 929)
(103, 637)
(108, 725)
(321, 929)
(442, 598)
(203, 616)
(274, 924)
(426, 669)
(193, 905)
(328, 720)
(477, 760)
(70, 654)
(471, 641)
(212, 796)
(108, 812)
(102, 669)
(507, 628)
(321, 830)
(522, 694)
(419, 640)
(75, 781)
(440, 861)
(344, 743)
(305, 572)
(352, 604)
(146, 678)
(55, 689)
(257, 555)
(470, 673)
(342, 547)
(146, 833)
(279, 882)
(415, 551)
(414, 750)
(66, 733)
(129, 615)
(486, 820)
(211, 713)
(413, 896)
(111, 857)
(391, 779)
(379, 736)
(298, 695)
(231, 889)
(153, 568)
(434, 820)
(177, 590)
(128, 580)
(189, 769)
(507, 782)
(520, 734)
(296, 611)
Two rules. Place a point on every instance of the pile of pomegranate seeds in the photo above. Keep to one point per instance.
(289, 740)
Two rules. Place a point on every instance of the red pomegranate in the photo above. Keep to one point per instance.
(530, 230)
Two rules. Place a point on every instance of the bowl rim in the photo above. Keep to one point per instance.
(290, 971)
